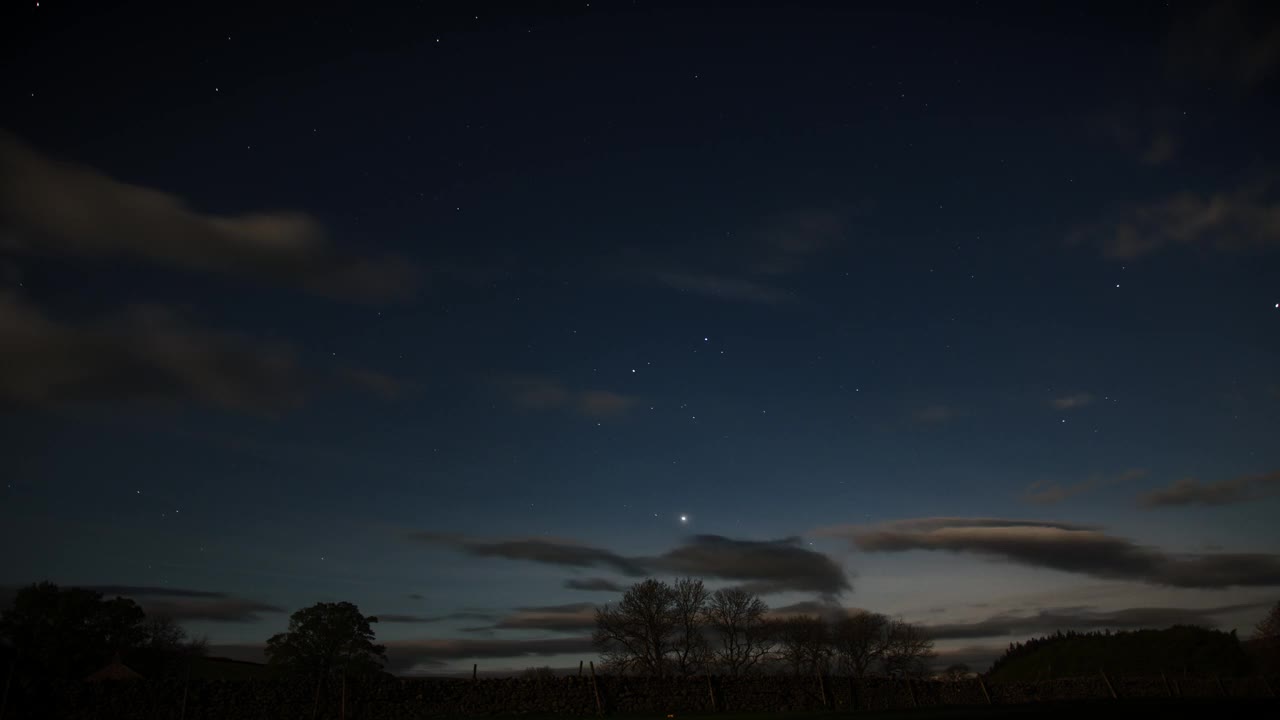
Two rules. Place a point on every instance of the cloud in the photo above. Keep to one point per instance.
(724, 287)
(143, 353)
(54, 208)
(1245, 220)
(1221, 492)
(765, 566)
(572, 618)
(594, 585)
(423, 619)
(1044, 492)
(221, 610)
(407, 654)
(1231, 44)
(1050, 620)
(186, 604)
(934, 414)
(380, 384)
(540, 393)
(788, 243)
(1066, 547)
(416, 596)
(1070, 402)
(566, 553)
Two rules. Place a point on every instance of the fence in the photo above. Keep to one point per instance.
(587, 695)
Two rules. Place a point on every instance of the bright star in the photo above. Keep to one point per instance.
(684, 518)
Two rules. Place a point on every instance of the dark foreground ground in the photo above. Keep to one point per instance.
(1078, 710)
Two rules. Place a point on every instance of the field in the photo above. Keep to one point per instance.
(1091, 709)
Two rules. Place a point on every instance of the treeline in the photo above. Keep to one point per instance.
(1178, 649)
(659, 629)
(49, 632)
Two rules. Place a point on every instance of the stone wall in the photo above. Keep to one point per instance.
(403, 699)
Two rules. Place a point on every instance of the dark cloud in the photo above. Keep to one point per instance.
(137, 591)
(1050, 620)
(187, 604)
(218, 610)
(1243, 220)
(416, 596)
(767, 566)
(541, 393)
(540, 550)
(572, 618)
(724, 287)
(404, 655)
(49, 207)
(1220, 492)
(143, 354)
(400, 618)
(1044, 492)
(1067, 547)
(1229, 44)
(594, 585)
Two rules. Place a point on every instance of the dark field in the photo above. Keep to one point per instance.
(1209, 708)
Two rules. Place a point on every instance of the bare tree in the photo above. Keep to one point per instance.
(1268, 630)
(804, 644)
(637, 635)
(859, 642)
(690, 647)
(737, 616)
(958, 671)
(907, 651)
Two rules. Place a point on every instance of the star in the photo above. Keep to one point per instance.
(684, 519)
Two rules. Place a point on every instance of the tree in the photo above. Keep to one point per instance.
(637, 635)
(690, 648)
(804, 645)
(907, 651)
(167, 650)
(859, 642)
(1265, 642)
(956, 672)
(70, 632)
(1268, 630)
(538, 673)
(737, 617)
(328, 639)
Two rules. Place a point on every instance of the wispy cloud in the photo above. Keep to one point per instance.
(724, 287)
(1064, 546)
(1221, 492)
(1050, 620)
(1071, 402)
(1045, 492)
(49, 207)
(427, 619)
(185, 604)
(542, 393)
(144, 353)
(1244, 220)
(765, 566)
(594, 585)
(405, 655)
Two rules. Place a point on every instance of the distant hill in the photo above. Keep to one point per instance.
(1178, 649)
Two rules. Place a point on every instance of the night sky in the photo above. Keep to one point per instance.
(966, 313)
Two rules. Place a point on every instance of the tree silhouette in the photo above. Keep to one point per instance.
(804, 644)
(328, 639)
(737, 617)
(637, 635)
(907, 651)
(70, 632)
(691, 651)
(860, 642)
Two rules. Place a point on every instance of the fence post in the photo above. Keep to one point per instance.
(182, 714)
(473, 672)
(1168, 690)
(822, 688)
(911, 693)
(315, 708)
(711, 691)
(1221, 689)
(596, 689)
(1110, 687)
(1267, 684)
(579, 668)
(342, 709)
(983, 685)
